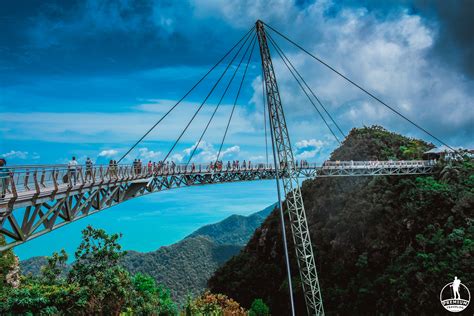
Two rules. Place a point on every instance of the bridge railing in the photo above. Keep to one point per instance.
(37, 178)
(377, 164)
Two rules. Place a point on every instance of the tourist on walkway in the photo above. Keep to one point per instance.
(4, 177)
(150, 167)
(110, 168)
(88, 169)
(72, 170)
(139, 167)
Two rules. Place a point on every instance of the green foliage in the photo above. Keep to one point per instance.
(52, 271)
(384, 245)
(40, 299)
(151, 299)
(209, 304)
(95, 285)
(259, 308)
(376, 143)
(96, 269)
(7, 260)
(183, 267)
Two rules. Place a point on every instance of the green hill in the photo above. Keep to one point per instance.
(383, 245)
(183, 267)
(235, 229)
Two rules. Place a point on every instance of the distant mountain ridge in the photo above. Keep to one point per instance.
(235, 229)
(185, 267)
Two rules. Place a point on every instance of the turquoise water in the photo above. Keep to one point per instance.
(160, 219)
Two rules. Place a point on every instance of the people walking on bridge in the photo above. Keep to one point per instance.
(72, 170)
(135, 166)
(228, 165)
(139, 167)
(110, 169)
(88, 169)
(115, 169)
(4, 177)
(150, 167)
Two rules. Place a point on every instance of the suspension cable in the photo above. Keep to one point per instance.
(218, 104)
(307, 86)
(203, 102)
(304, 90)
(264, 115)
(236, 99)
(187, 93)
(361, 88)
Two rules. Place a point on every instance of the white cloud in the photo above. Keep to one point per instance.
(109, 153)
(309, 148)
(17, 154)
(309, 143)
(145, 153)
(230, 151)
(206, 152)
(391, 57)
(121, 127)
(177, 157)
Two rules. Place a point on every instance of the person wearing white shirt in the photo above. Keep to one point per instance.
(72, 166)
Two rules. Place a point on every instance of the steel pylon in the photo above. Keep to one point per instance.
(294, 200)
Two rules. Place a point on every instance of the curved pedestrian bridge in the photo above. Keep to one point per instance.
(39, 198)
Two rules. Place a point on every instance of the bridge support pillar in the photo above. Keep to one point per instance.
(294, 200)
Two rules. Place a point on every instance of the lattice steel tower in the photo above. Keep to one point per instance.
(294, 199)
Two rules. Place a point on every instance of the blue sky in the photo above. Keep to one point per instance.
(87, 78)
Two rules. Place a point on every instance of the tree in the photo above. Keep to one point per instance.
(150, 299)
(8, 265)
(209, 304)
(53, 270)
(259, 308)
(96, 269)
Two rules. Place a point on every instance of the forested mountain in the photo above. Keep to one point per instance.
(235, 229)
(32, 265)
(185, 266)
(383, 245)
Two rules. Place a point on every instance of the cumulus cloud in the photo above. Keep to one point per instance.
(206, 152)
(308, 148)
(390, 56)
(145, 153)
(108, 153)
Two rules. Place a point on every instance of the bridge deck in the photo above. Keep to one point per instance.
(38, 199)
(27, 185)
